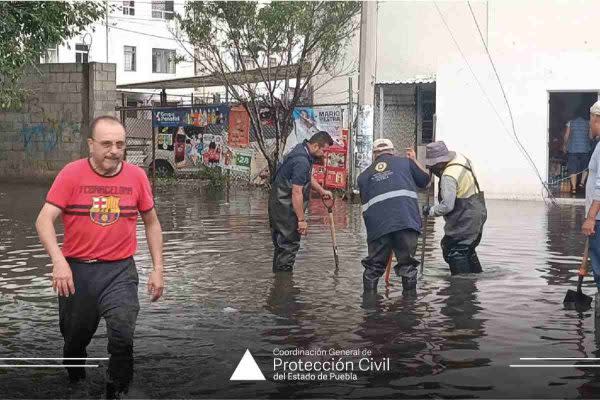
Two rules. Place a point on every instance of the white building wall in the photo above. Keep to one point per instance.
(537, 46)
(139, 30)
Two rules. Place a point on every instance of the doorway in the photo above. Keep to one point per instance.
(562, 108)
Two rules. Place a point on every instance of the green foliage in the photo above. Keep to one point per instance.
(215, 176)
(28, 29)
(309, 34)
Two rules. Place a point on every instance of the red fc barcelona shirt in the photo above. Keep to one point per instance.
(100, 213)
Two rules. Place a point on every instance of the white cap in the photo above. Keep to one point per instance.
(595, 109)
(382, 145)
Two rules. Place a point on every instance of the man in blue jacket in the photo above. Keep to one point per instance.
(391, 213)
(290, 193)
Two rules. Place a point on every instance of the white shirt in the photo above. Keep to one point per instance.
(592, 189)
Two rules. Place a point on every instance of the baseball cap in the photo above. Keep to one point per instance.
(383, 144)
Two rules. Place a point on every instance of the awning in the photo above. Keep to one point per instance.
(240, 77)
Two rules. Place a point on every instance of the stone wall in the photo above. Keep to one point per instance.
(50, 129)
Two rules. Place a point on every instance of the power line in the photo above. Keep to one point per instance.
(473, 72)
(482, 88)
(150, 35)
(508, 106)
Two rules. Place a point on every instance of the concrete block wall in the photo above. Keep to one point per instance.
(50, 129)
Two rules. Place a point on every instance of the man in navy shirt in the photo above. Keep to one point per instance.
(289, 198)
(391, 213)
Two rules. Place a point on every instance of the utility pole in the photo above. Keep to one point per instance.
(106, 28)
(366, 88)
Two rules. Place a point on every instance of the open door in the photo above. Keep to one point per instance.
(562, 108)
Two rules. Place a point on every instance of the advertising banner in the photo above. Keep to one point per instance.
(199, 116)
(239, 160)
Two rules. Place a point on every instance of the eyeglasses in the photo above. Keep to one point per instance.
(107, 144)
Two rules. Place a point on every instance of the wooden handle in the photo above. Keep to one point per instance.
(388, 268)
(584, 262)
(332, 227)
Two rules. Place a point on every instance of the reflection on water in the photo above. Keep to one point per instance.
(455, 338)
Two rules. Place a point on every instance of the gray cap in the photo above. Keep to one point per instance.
(383, 145)
(437, 152)
(595, 109)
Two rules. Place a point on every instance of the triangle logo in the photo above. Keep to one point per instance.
(247, 370)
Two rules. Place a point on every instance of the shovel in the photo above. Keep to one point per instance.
(576, 300)
(329, 205)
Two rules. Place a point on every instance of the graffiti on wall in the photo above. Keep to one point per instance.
(49, 133)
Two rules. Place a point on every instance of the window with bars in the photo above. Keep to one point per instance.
(129, 8)
(81, 53)
(162, 9)
(163, 61)
(50, 55)
(129, 58)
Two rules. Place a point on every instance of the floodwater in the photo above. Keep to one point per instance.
(457, 339)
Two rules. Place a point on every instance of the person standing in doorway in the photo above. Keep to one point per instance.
(461, 203)
(289, 197)
(577, 146)
(390, 206)
(98, 199)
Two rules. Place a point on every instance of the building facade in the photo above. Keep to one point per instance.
(140, 37)
(545, 54)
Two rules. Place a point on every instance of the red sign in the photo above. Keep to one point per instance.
(239, 127)
(333, 173)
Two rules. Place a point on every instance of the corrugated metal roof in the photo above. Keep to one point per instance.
(409, 81)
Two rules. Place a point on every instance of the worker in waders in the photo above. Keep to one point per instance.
(391, 212)
(290, 193)
(462, 205)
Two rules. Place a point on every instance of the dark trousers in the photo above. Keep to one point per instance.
(594, 249)
(460, 256)
(102, 290)
(404, 245)
(285, 251)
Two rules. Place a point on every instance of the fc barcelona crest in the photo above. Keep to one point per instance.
(105, 210)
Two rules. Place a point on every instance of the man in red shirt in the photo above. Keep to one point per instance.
(94, 273)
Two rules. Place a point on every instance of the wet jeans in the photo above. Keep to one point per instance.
(404, 245)
(595, 253)
(106, 290)
(285, 251)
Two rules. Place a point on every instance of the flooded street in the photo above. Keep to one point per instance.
(457, 338)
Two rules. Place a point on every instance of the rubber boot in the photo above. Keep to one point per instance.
(369, 285)
(459, 265)
(475, 264)
(409, 283)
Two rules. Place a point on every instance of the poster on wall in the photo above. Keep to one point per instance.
(191, 136)
(236, 159)
(364, 138)
(310, 120)
(212, 155)
(239, 127)
(198, 116)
